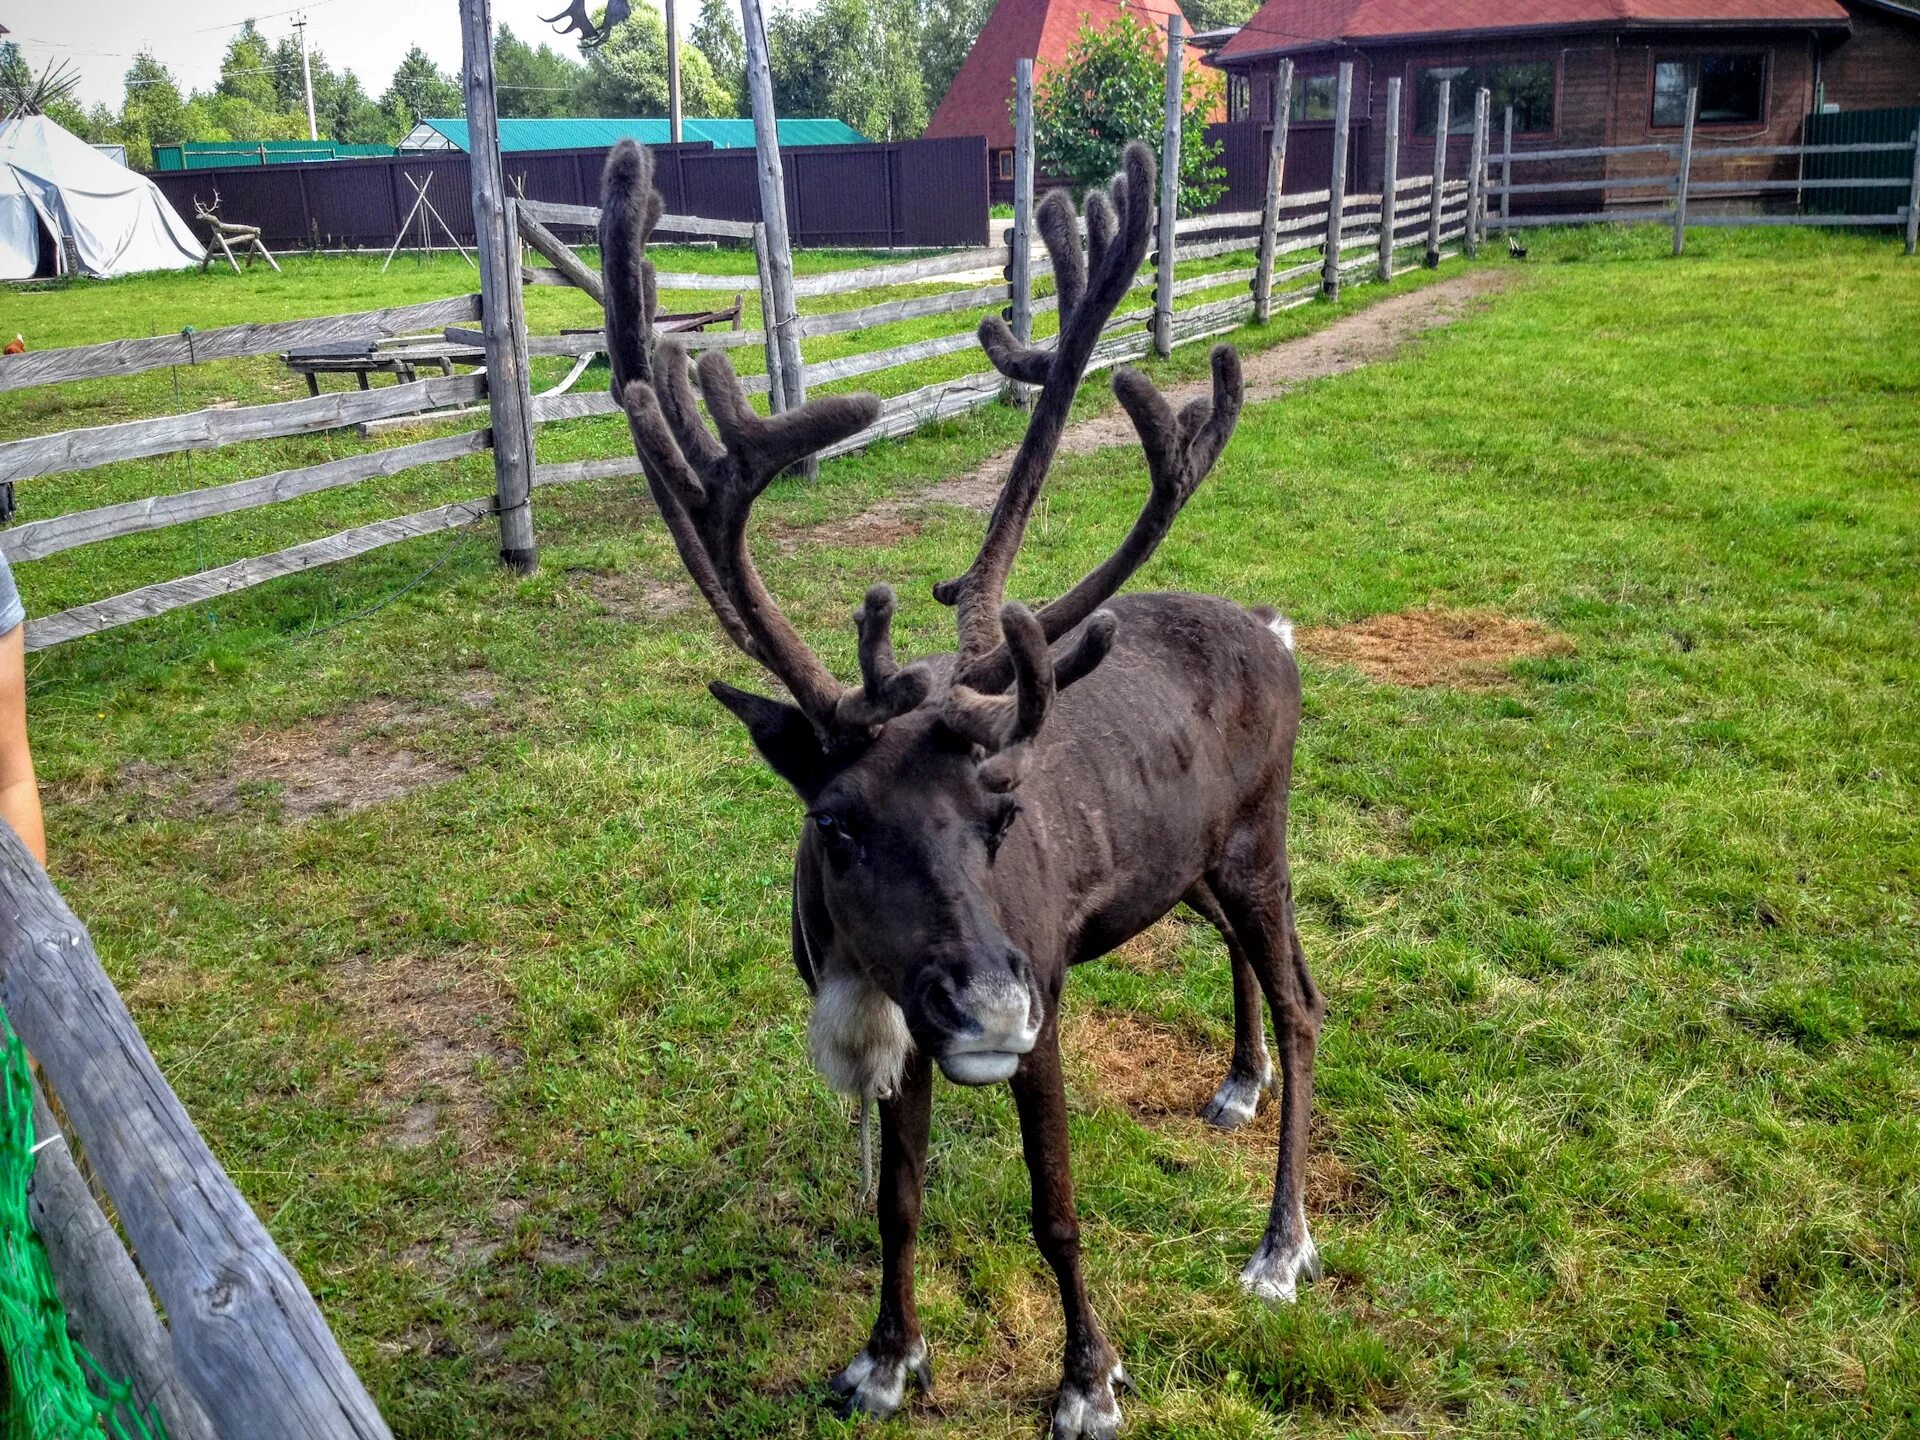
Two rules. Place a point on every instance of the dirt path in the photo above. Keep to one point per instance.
(1363, 338)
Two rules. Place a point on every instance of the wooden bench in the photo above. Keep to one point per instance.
(401, 357)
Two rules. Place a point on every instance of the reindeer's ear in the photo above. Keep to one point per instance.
(783, 735)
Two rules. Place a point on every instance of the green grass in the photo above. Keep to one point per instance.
(1616, 1132)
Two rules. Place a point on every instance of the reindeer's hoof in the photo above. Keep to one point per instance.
(1089, 1412)
(876, 1384)
(1237, 1100)
(1274, 1272)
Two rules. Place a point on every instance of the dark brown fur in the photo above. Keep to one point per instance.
(979, 823)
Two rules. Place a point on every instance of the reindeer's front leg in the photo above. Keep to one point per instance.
(1086, 1408)
(876, 1380)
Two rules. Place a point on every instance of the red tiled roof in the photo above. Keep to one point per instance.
(980, 100)
(1283, 25)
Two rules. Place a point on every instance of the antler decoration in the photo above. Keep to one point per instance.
(579, 23)
(705, 486)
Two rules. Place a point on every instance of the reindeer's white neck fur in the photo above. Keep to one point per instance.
(858, 1037)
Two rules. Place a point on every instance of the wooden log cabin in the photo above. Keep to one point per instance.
(1578, 73)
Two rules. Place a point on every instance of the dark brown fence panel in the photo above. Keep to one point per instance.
(1243, 152)
(906, 193)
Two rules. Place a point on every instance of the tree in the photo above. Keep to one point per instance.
(535, 82)
(628, 74)
(420, 90)
(854, 60)
(716, 34)
(1111, 88)
(153, 113)
(1214, 14)
(250, 73)
(948, 29)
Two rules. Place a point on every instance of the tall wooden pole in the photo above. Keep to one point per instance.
(1337, 184)
(1685, 173)
(773, 208)
(1020, 270)
(763, 266)
(1169, 194)
(1506, 176)
(1390, 182)
(1276, 179)
(1443, 122)
(673, 77)
(1476, 178)
(1913, 198)
(501, 315)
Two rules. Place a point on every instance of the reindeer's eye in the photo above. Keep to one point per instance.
(999, 822)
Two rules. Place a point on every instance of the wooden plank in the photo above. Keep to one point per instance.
(1590, 152)
(1337, 186)
(1715, 152)
(1720, 187)
(837, 322)
(588, 342)
(108, 1308)
(763, 268)
(910, 272)
(1506, 173)
(1389, 184)
(1438, 195)
(1597, 217)
(205, 429)
(1276, 180)
(778, 249)
(567, 472)
(686, 280)
(1685, 173)
(1613, 182)
(904, 414)
(1224, 220)
(248, 1339)
(1913, 198)
(1212, 249)
(232, 342)
(38, 539)
(825, 371)
(587, 217)
(1476, 175)
(557, 251)
(1734, 222)
(1020, 237)
(168, 595)
(1214, 281)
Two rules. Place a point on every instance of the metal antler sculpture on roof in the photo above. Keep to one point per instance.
(578, 22)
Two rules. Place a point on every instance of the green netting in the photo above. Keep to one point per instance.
(55, 1391)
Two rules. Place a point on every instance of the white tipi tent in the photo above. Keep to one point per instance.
(119, 221)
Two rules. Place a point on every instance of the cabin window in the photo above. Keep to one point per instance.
(1733, 90)
(1239, 96)
(1005, 159)
(1312, 98)
(1526, 85)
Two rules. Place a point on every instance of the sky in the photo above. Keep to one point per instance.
(101, 37)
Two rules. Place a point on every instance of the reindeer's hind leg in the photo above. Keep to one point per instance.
(1251, 1071)
(1255, 890)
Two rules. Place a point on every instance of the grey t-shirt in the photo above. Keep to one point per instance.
(12, 610)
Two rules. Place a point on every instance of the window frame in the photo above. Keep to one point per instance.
(1300, 78)
(1239, 95)
(1691, 59)
(1410, 89)
(1003, 164)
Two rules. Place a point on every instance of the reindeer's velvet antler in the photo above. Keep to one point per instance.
(705, 486)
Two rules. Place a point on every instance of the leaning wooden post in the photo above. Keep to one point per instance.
(773, 210)
(248, 1339)
(508, 395)
(1337, 184)
(1686, 173)
(1476, 178)
(1442, 123)
(1506, 177)
(1169, 194)
(1020, 239)
(1276, 178)
(1913, 198)
(1390, 182)
(763, 265)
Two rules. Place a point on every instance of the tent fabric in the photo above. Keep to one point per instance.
(119, 221)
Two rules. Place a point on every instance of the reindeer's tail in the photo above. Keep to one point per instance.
(1276, 622)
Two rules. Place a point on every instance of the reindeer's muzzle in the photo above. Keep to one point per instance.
(978, 1020)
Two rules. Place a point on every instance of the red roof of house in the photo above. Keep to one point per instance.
(980, 100)
(1280, 26)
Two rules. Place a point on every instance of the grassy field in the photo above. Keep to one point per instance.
(1617, 1126)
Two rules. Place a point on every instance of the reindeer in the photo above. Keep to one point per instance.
(977, 823)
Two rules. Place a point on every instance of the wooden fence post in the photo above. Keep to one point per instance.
(763, 265)
(773, 210)
(1476, 180)
(1276, 178)
(1442, 123)
(1506, 177)
(1913, 198)
(1169, 194)
(1337, 184)
(502, 317)
(1390, 182)
(1686, 173)
(1020, 270)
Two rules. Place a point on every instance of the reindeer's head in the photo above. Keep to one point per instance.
(902, 928)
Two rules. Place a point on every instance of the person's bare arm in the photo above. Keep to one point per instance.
(19, 791)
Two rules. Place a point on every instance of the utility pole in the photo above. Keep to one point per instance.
(673, 77)
(306, 74)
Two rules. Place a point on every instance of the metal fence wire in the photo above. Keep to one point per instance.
(55, 1391)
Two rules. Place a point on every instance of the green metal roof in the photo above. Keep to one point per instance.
(730, 134)
(202, 154)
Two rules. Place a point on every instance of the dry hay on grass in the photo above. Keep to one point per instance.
(631, 597)
(1465, 649)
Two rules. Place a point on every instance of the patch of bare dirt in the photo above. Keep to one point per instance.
(1465, 649)
(1150, 1070)
(632, 597)
(1158, 947)
(441, 1024)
